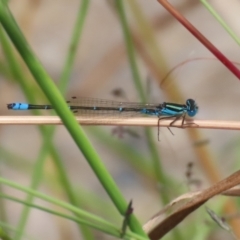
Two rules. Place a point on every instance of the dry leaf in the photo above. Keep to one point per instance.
(157, 229)
(234, 192)
(175, 204)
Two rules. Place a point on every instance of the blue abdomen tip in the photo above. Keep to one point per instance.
(19, 106)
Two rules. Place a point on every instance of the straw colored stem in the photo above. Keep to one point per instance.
(143, 121)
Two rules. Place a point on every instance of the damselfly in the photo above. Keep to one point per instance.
(94, 107)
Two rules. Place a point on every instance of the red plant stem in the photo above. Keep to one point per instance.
(200, 37)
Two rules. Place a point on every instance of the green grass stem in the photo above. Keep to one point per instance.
(83, 216)
(65, 114)
(46, 131)
(72, 51)
(221, 21)
(160, 175)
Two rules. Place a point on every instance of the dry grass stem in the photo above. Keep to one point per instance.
(99, 120)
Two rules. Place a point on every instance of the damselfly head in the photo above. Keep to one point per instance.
(192, 107)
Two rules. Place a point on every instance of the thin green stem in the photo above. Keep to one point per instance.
(130, 50)
(18, 74)
(160, 176)
(12, 229)
(3, 214)
(221, 21)
(83, 216)
(49, 131)
(52, 200)
(97, 226)
(4, 235)
(145, 29)
(55, 98)
(35, 181)
(72, 51)
(64, 79)
(158, 169)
